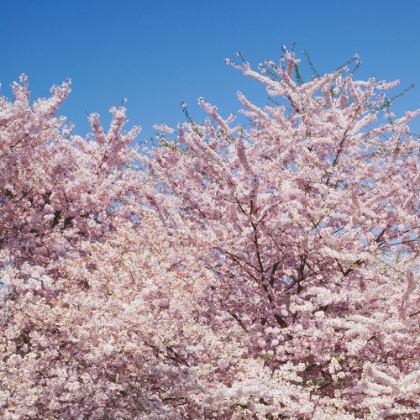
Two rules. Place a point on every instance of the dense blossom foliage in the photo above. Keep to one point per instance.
(261, 272)
(54, 192)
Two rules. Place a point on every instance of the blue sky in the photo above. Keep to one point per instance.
(159, 53)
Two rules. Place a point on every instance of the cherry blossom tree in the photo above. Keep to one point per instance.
(99, 317)
(236, 272)
(312, 214)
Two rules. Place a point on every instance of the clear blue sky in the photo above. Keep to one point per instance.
(159, 53)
